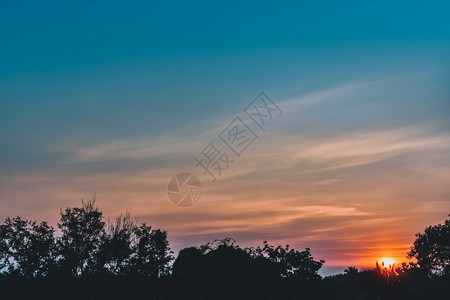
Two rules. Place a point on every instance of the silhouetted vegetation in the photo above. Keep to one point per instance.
(94, 259)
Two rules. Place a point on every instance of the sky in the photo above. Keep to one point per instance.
(115, 98)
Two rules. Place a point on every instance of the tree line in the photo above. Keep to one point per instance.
(94, 259)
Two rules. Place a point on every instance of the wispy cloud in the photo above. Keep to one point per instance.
(329, 94)
(377, 144)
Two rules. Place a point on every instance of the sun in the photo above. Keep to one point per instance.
(387, 262)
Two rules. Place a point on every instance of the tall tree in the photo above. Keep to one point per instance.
(432, 248)
(82, 230)
(116, 247)
(152, 253)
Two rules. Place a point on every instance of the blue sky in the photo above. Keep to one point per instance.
(117, 97)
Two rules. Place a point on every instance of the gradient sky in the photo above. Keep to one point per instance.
(117, 97)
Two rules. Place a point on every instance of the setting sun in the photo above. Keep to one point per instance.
(387, 262)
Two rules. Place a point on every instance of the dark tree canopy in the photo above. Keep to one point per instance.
(152, 253)
(432, 248)
(26, 248)
(87, 246)
(292, 263)
(224, 270)
(116, 247)
(82, 230)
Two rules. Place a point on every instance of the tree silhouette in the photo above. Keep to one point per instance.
(224, 270)
(221, 270)
(93, 259)
(152, 253)
(293, 263)
(116, 247)
(26, 247)
(432, 249)
(88, 246)
(82, 230)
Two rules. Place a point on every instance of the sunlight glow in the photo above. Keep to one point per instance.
(387, 262)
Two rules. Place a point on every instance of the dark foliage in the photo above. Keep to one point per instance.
(26, 248)
(82, 229)
(223, 270)
(94, 259)
(431, 249)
